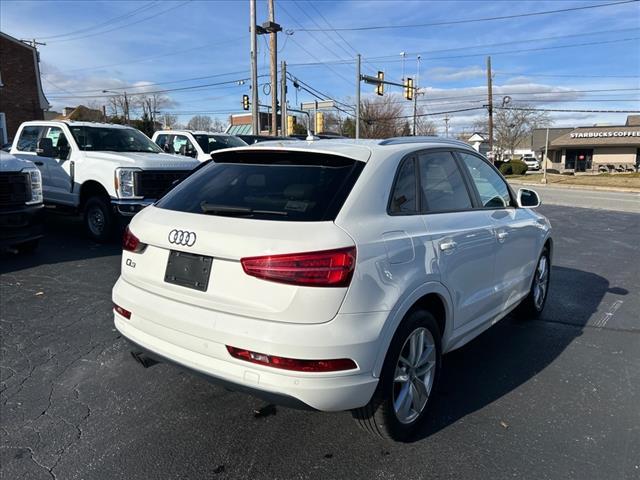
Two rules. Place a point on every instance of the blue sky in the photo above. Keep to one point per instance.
(110, 45)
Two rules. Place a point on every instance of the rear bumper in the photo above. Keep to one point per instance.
(21, 224)
(200, 345)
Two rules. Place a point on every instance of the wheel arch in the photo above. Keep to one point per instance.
(433, 297)
(91, 188)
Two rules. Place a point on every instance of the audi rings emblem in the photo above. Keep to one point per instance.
(182, 237)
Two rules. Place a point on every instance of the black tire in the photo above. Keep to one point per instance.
(529, 308)
(99, 219)
(378, 417)
(28, 247)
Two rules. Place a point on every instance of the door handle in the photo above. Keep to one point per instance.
(448, 246)
(38, 163)
(502, 236)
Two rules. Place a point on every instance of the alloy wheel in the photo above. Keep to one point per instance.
(414, 375)
(541, 282)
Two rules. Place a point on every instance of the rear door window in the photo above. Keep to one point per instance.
(28, 141)
(268, 185)
(442, 184)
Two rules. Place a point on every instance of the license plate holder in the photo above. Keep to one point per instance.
(188, 270)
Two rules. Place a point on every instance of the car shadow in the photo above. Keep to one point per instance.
(64, 240)
(516, 349)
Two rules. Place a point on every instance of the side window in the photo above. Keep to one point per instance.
(403, 196)
(493, 190)
(182, 145)
(59, 142)
(442, 184)
(28, 140)
(161, 141)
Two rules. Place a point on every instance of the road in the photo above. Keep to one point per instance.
(555, 398)
(583, 198)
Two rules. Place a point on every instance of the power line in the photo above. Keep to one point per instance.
(470, 20)
(101, 24)
(124, 25)
(564, 75)
(565, 110)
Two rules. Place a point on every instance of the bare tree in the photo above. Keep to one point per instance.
(218, 125)
(200, 122)
(511, 128)
(382, 118)
(424, 126)
(169, 121)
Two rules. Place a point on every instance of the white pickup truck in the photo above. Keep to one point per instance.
(106, 172)
(195, 144)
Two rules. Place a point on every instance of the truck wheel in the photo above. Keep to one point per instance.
(408, 379)
(28, 247)
(99, 219)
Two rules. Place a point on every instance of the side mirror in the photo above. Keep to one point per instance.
(45, 148)
(528, 198)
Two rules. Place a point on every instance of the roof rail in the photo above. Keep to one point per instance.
(423, 139)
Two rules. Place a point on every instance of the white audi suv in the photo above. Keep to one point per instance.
(332, 274)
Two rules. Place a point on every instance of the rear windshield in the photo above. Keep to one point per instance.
(267, 185)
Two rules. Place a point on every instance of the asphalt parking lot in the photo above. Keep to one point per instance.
(553, 398)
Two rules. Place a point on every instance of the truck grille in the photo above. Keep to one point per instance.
(15, 189)
(154, 184)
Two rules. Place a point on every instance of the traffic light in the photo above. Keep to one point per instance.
(380, 85)
(319, 122)
(245, 102)
(408, 88)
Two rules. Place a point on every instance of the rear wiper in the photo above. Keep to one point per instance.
(238, 211)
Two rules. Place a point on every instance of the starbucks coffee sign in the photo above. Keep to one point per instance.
(605, 134)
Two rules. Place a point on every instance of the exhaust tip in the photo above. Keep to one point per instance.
(144, 359)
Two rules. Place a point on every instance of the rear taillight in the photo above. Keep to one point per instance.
(328, 268)
(333, 365)
(131, 243)
(121, 311)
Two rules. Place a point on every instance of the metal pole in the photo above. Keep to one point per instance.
(544, 160)
(126, 106)
(273, 46)
(415, 98)
(255, 117)
(358, 59)
(284, 117)
(490, 106)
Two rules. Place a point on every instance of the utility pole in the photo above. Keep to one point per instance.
(415, 98)
(544, 159)
(255, 117)
(273, 46)
(446, 125)
(490, 106)
(284, 116)
(358, 59)
(104, 113)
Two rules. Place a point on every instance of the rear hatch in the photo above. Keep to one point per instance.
(251, 203)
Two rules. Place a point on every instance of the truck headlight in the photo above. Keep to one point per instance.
(35, 182)
(125, 182)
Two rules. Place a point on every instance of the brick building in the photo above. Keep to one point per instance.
(21, 95)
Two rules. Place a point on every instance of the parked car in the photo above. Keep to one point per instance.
(251, 139)
(332, 275)
(21, 204)
(6, 147)
(532, 162)
(106, 172)
(196, 144)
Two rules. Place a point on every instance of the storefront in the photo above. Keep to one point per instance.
(593, 149)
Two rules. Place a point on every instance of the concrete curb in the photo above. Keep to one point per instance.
(575, 187)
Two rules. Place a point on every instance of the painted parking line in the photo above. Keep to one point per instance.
(602, 322)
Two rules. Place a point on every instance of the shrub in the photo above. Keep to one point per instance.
(514, 167)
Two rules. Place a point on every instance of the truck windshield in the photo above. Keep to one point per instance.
(210, 143)
(113, 140)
